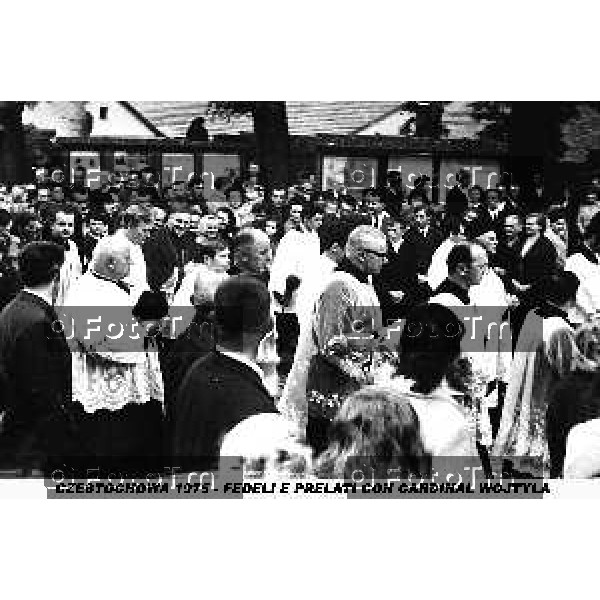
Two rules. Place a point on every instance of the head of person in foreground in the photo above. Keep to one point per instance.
(374, 431)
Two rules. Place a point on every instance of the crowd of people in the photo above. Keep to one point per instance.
(282, 328)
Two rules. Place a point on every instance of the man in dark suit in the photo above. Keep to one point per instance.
(422, 238)
(397, 285)
(35, 367)
(195, 342)
(226, 387)
(457, 199)
(490, 216)
(508, 258)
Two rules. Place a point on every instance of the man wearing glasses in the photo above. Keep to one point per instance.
(482, 344)
(342, 324)
(467, 263)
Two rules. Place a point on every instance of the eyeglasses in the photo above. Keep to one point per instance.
(483, 268)
(380, 254)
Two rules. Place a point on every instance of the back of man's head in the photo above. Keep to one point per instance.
(361, 237)
(247, 243)
(40, 262)
(242, 312)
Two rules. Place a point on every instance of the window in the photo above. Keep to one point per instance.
(104, 112)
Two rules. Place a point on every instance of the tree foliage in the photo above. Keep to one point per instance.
(427, 120)
(497, 119)
(581, 133)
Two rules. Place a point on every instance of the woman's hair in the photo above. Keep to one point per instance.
(429, 345)
(587, 339)
(379, 428)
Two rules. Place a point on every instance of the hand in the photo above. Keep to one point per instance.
(521, 287)
(396, 295)
(422, 278)
(292, 283)
(284, 300)
(512, 301)
(499, 271)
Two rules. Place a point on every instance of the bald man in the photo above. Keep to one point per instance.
(462, 292)
(197, 340)
(252, 255)
(347, 309)
(111, 371)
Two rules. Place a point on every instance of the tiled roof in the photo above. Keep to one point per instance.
(304, 118)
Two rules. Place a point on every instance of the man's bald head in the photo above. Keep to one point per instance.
(252, 252)
(112, 258)
(467, 262)
(205, 286)
(366, 249)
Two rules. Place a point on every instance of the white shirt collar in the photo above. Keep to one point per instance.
(43, 295)
(242, 359)
(529, 242)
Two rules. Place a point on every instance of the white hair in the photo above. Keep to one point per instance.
(359, 236)
(106, 248)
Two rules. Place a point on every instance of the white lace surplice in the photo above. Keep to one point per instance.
(109, 374)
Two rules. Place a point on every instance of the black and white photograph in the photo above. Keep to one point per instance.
(324, 290)
(299, 253)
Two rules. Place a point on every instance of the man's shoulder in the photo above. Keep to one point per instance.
(24, 315)
(217, 368)
(214, 378)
